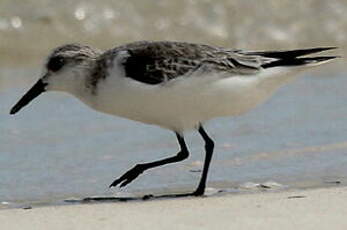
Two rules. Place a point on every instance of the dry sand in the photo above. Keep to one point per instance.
(306, 209)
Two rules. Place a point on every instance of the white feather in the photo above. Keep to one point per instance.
(184, 102)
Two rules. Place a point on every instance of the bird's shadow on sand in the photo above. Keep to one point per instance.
(134, 198)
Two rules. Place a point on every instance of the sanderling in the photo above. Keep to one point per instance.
(175, 85)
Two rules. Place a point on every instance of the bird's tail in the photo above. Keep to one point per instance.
(291, 62)
(293, 57)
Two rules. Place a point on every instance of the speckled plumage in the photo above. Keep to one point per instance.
(158, 62)
(154, 62)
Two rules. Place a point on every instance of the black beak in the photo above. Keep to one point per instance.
(35, 91)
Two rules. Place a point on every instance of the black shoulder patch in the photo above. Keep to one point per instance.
(141, 68)
(151, 69)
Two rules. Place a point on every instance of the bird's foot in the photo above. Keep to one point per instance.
(129, 176)
(199, 191)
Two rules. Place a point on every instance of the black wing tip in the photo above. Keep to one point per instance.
(301, 61)
(311, 49)
(321, 57)
(283, 54)
(318, 59)
(321, 49)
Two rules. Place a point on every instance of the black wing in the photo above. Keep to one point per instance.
(158, 62)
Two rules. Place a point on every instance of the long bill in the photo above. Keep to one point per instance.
(35, 91)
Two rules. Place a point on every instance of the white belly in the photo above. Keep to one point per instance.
(184, 103)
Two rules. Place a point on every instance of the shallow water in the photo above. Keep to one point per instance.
(57, 148)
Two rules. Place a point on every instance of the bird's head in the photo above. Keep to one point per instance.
(66, 69)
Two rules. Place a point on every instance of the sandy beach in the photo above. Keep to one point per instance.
(323, 208)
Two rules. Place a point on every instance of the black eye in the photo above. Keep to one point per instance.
(55, 63)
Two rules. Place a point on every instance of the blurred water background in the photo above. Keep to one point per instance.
(58, 148)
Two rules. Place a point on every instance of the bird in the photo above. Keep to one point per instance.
(178, 86)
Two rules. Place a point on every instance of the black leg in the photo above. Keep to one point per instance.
(130, 175)
(209, 145)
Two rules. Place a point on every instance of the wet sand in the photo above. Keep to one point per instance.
(323, 208)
